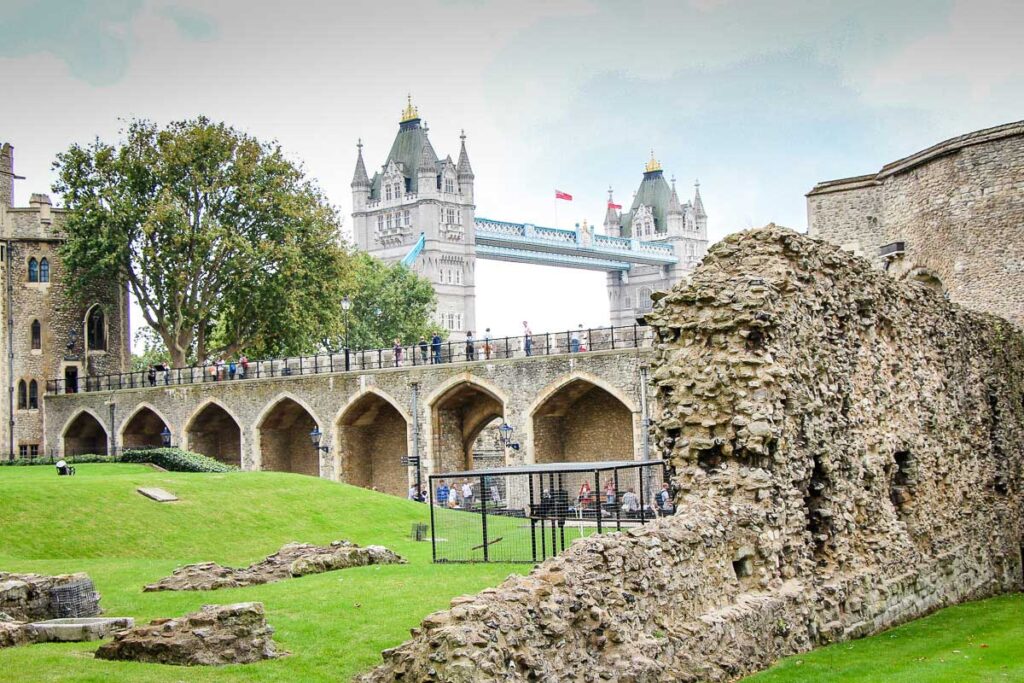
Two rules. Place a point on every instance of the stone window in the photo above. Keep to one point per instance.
(37, 335)
(380, 223)
(28, 450)
(33, 395)
(408, 218)
(398, 190)
(33, 270)
(96, 330)
(449, 186)
(44, 270)
(387, 192)
(22, 395)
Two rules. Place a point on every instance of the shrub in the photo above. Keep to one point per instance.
(175, 460)
(47, 460)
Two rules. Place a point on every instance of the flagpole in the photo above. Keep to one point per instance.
(556, 209)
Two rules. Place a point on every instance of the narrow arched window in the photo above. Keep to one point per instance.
(33, 270)
(33, 395)
(37, 335)
(22, 395)
(96, 332)
(44, 270)
(387, 192)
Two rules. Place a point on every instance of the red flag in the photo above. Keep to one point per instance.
(612, 205)
(563, 195)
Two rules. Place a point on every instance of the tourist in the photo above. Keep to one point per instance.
(665, 499)
(470, 351)
(423, 350)
(232, 368)
(435, 345)
(574, 341)
(487, 343)
(527, 339)
(609, 492)
(213, 372)
(243, 367)
(585, 496)
(467, 494)
(397, 349)
(630, 502)
(442, 494)
(220, 369)
(151, 375)
(414, 493)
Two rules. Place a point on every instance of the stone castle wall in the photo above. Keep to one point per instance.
(847, 453)
(958, 208)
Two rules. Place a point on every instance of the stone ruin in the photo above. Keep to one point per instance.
(215, 635)
(847, 452)
(292, 560)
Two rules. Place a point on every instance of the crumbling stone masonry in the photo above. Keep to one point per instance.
(847, 450)
(293, 559)
(35, 597)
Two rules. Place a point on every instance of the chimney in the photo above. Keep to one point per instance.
(43, 204)
(6, 175)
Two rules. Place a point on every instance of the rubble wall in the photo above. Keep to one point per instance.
(847, 455)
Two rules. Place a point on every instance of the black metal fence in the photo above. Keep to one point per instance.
(426, 353)
(527, 514)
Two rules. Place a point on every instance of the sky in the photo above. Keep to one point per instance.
(757, 100)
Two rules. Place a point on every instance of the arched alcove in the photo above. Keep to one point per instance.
(143, 429)
(372, 440)
(458, 415)
(284, 439)
(582, 422)
(213, 432)
(84, 434)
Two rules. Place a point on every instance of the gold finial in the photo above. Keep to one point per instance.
(410, 112)
(653, 164)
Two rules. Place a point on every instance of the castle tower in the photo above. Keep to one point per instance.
(612, 217)
(415, 193)
(655, 215)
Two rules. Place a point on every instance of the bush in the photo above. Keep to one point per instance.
(175, 460)
(47, 460)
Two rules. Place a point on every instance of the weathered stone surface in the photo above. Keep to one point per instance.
(293, 559)
(35, 597)
(157, 494)
(215, 635)
(848, 453)
(79, 629)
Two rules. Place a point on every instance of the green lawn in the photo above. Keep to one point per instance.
(334, 624)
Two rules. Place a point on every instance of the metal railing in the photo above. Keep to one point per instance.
(406, 356)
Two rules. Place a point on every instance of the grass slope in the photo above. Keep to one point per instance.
(335, 624)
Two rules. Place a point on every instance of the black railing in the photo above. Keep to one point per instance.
(414, 355)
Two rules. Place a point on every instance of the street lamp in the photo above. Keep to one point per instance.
(314, 436)
(346, 304)
(165, 437)
(505, 436)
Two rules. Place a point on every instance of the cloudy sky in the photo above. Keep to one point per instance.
(759, 100)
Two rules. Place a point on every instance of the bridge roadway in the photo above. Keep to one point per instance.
(563, 407)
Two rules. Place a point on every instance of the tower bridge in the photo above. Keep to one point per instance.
(420, 209)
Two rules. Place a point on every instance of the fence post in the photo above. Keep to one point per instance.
(483, 513)
(618, 507)
(598, 509)
(643, 512)
(433, 530)
(533, 515)
(634, 337)
(547, 343)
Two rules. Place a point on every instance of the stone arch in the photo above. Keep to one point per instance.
(84, 433)
(214, 431)
(143, 427)
(927, 278)
(282, 436)
(459, 410)
(581, 418)
(372, 436)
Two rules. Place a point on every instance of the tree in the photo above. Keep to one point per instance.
(224, 243)
(147, 350)
(389, 301)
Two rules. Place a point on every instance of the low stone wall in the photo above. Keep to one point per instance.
(35, 597)
(847, 451)
(293, 559)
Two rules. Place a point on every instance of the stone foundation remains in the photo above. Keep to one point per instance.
(847, 451)
(34, 597)
(215, 635)
(292, 560)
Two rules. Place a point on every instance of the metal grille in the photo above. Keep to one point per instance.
(75, 597)
(531, 513)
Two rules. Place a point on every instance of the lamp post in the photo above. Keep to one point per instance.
(346, 304)
(505, 436)
(165, 437)
(314, 436)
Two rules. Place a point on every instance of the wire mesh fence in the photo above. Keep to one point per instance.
(527, 514)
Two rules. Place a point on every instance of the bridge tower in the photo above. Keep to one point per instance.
(416, 194)
(656, 215)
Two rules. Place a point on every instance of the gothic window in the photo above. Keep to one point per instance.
(387, 192)
(96, 330)
(33, 395)
(449, 186)
(33, 270)
(408, 218)
(22, 395)
(458, 277)
(44, 270)
(37, 336)
(380, 223)
(459, 216)
(398, 190)
(643, 299)
(389, 221)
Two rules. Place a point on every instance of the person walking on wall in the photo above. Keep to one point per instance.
(243, 367)
(574, 341)
(152, 375)
(232, 369)
(470, 350)
(487, 343)
(423, 350)
(397, 349)
(435, 345)
(527, 339)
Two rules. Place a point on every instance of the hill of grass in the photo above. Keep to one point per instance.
(336, 624)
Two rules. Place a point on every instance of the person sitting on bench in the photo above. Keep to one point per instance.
(64, 470)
